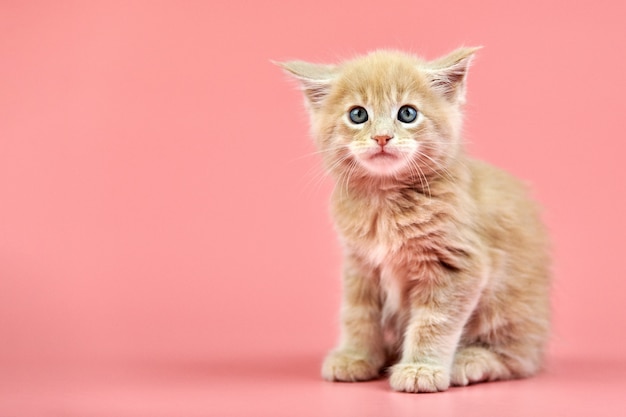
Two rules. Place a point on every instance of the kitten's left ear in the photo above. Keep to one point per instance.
(448, 74)
(315, 79)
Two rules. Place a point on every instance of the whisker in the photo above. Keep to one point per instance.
(318, 152)
(422, 177)
(339, 155)
(436, 167)
(351, 169)
(344, 172)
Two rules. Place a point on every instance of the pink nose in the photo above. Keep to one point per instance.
(382, 139)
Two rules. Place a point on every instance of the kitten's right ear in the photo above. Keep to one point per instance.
(315, 79)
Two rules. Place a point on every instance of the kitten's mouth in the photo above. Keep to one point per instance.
(382, 155)
(382, 162)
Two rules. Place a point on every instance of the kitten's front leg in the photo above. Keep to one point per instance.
(360, 354)
(440, 308)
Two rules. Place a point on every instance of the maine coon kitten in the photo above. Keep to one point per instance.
(446, 272)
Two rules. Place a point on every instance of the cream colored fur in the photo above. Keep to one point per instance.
(446, 274)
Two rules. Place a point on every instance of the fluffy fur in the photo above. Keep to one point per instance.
(446, 272)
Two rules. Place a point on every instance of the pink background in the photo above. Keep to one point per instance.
(165, 243)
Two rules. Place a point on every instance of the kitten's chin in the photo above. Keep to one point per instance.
(382, 163)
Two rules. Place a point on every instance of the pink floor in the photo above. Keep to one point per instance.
(290, 386)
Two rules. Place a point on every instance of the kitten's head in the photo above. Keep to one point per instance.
(386, 114)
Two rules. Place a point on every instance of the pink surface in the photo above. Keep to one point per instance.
(165, 246)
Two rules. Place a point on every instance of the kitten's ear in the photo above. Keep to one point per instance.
(315, 79)
(448, 74)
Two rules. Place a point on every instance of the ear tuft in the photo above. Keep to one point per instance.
(448, 74)
(315, 79)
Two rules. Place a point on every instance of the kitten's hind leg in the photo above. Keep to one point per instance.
(476, 363)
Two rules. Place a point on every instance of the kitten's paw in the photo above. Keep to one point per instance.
(417, 377)
(342, 365)
(476, 364)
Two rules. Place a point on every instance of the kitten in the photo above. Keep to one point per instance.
(446, 273)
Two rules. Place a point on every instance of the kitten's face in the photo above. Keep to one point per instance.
(379, 119)
(386, 114)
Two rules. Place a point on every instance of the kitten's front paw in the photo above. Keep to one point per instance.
(417, 377)
(341, 365)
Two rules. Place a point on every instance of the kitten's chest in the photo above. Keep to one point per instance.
(379, 229)
(374, 235)
(382, 247)
(394, 238)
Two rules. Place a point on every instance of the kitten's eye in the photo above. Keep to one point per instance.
(358, 115)
(407, 114)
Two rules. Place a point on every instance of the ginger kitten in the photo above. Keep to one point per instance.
(446, 272)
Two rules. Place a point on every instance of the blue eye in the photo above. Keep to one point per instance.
(358, 115)
(407, 114)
